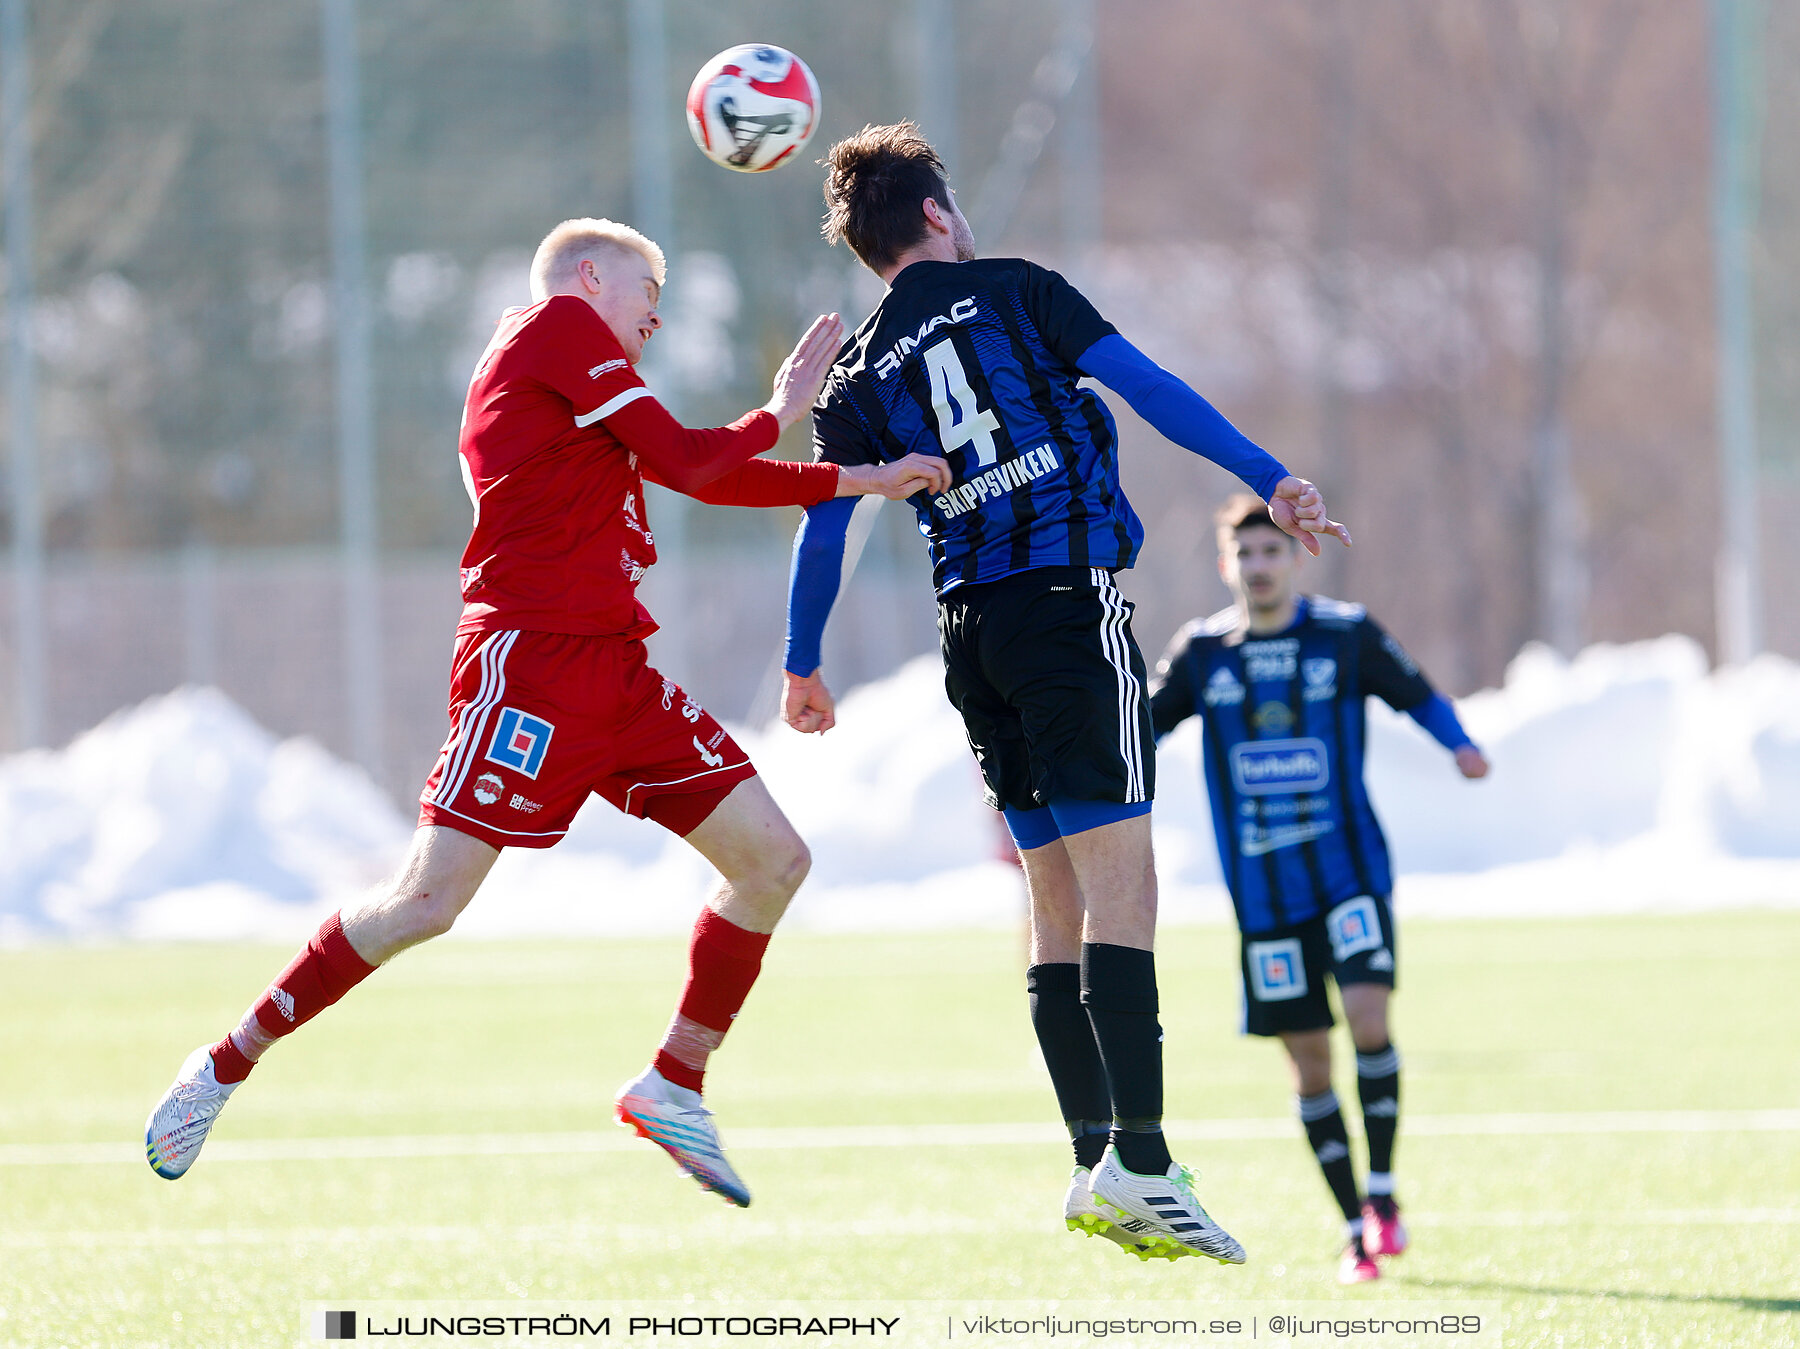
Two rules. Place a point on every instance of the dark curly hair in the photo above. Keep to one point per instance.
(876, 183)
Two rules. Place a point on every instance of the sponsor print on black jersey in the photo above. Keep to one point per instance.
(1283, 753)
(976, 361)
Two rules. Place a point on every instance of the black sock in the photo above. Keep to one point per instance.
(1118, 988)
(1066, 1038)
(1378, 1084)
(1330, 1142)
(1090, 1137)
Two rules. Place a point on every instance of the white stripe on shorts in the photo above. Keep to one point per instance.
(496, 829)
(676, 782)
(471, 727)
(1118, 653)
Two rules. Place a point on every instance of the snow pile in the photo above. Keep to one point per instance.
(1628, 779)
(182, 817)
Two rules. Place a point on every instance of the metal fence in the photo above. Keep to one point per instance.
(266, 627)
(1459, 263)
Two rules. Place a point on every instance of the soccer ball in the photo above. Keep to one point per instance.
(751, 108)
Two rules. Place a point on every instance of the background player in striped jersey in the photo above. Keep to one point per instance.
(1278, 681)
(980, 362)
(551, 696)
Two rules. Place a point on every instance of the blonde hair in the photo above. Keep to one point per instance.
(573, 240)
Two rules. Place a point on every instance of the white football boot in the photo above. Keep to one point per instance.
(672, 1117)
(179, 1124)
(1166, 1205)
(1081, 1215)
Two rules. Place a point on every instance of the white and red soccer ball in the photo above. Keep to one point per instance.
(752, 108)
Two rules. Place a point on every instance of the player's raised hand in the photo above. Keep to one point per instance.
(802, 374)
(898, 480)
(1297, 508)
(806, 704)
(1471, 762)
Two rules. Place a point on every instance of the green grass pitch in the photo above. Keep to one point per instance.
(1619, 1230)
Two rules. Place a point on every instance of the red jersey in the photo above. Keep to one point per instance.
(558, 436)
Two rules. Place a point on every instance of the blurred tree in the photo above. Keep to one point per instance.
(1452, 259)
(1503, 258)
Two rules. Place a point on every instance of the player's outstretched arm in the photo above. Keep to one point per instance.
(1471, 762)
(1177, 412)
(806, 704)
(1392, 675)
(818, 568)
(1437, 715)
(763, 482)
(1297, 508)
(802, 374)
(687, 460)
(777, 482)
(895, 481)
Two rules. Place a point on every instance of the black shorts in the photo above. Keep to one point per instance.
(1051, 687)
(1284, 971)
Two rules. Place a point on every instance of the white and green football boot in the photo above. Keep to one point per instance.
(1177, 1224)
(184, 1117)
(1081, 1215)
(672, 1117)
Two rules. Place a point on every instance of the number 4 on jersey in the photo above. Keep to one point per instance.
(961, 420)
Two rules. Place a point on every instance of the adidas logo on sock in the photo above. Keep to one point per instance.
(283, 1000)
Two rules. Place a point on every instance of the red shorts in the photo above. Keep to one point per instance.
(540, 719)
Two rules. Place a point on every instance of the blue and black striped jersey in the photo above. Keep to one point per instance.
(977, 361)
(1285, 730)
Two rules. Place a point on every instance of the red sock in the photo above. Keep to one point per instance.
(723, 962)
(326, 969)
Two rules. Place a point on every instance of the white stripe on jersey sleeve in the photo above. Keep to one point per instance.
(612, 405)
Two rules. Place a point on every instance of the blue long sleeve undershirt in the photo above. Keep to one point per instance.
(816, 573)
(1180, 414)
(1438, 717)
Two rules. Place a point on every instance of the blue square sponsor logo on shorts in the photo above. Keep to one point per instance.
(1262, 767)
(1354, 927)
(519, 742)
(1277, 970)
